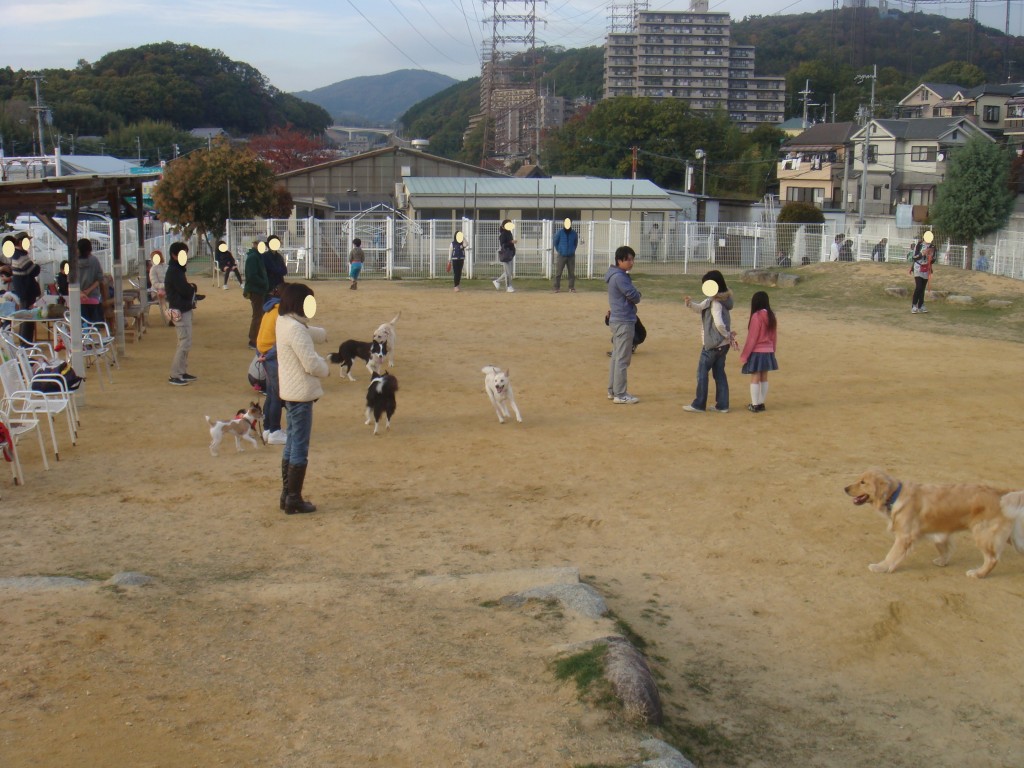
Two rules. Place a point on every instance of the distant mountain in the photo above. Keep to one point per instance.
(378, 99)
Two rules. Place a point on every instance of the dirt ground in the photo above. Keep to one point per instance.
(334, 639)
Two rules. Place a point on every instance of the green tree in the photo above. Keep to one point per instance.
(957, 73)
(975, 199)
(197, 191)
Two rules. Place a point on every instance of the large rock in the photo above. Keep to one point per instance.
(665, 756)
(788, 281)
(580, 598)
(999, 303)
(761, 277)
(960, 299)
(896, 290)
(627, 671)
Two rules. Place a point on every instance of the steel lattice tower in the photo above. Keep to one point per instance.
(509, 93)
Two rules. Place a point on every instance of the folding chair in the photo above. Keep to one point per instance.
(27, 402)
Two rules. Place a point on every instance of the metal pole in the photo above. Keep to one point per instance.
(867, 145)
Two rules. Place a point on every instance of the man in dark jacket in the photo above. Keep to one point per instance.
(256, 287)
(181, 299)
(274, 263)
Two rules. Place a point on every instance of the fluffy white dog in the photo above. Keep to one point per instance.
(499, 390)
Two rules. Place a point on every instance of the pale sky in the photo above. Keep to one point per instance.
(307, 44)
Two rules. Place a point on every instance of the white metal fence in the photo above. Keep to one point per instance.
(397, 248)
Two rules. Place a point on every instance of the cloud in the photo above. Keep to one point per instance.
(44, 12)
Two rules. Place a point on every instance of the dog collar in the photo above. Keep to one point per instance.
(892, 499)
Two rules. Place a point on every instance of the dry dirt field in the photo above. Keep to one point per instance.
(338, 639)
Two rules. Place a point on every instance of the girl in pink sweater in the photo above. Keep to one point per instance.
(758, 355)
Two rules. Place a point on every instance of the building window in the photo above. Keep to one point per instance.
(872, 153)
(876, 192)
(923, 154)
(991, 114)
(805, 195)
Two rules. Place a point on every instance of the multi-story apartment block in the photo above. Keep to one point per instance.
(689, 55)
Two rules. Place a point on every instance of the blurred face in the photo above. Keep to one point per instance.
(26, 243)
(66, 269)
(222, 247)
(509, 226)
(274, 242)
(309, 307)
(9, 248)
(182, 258)
(261, 247)
(156, 257)
(567, 223)
(459, 237)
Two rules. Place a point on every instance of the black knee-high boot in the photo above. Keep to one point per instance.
(284, 482)
(294, 503)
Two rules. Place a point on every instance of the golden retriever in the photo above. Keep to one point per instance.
(914, 511)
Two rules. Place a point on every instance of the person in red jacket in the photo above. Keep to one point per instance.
(758, 355)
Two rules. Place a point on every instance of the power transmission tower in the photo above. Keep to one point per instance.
(40, 110)
(509, 94)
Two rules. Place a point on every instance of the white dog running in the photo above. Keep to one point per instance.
(241, 428)
(499, 390)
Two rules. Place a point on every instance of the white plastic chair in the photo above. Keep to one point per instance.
(27, 402)
(95, 349)
(18, 425)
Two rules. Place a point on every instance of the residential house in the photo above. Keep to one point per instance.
(906, 162)
(921, 101)
(811, 165)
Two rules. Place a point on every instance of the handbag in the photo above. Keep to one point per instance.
(448, 267)
(505, 255)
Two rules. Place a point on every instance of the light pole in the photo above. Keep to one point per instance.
(867, 147)
(701, 155)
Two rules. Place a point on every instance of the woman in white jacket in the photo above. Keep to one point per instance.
(299, 369)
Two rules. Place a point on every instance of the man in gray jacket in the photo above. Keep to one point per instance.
(622, 300)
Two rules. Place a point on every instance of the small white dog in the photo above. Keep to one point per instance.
(499, 389)
(385, 334)
(242, 427)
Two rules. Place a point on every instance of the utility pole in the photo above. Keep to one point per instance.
(39, 109)
(867, 147)
(806, 92)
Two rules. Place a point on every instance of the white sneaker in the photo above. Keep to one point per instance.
(510, 289)
(712, 409)
(913, 310)
(277, 437)
(626, 399)
(922, 309)
(691, 409)
(497, 284)
(266, 436)
(225, 286)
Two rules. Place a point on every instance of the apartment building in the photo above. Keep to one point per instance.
(689, 55)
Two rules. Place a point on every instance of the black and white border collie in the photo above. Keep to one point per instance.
(380, 399)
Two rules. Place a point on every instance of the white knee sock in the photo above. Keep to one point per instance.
(764, 391)
(755, 393)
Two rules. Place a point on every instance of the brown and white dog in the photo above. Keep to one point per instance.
(385, 335)
(242, 427)
(914, 511)
(499, 390)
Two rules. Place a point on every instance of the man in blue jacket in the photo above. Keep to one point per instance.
(622, 300)
(566, 241)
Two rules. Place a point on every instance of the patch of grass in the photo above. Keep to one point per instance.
(489, 604)
(585, 668)
(628, 632)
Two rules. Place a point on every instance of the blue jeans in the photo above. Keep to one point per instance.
(272, 409)
(712, 361)
(300, 427)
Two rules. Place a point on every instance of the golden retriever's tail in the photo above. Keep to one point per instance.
(394, 320)
(1013, 507)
